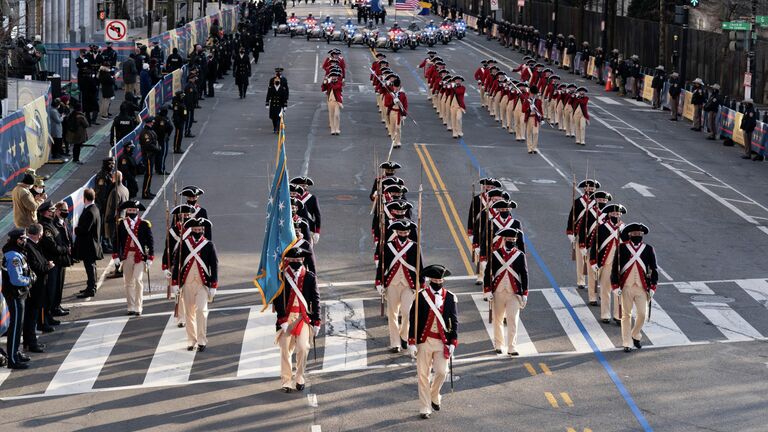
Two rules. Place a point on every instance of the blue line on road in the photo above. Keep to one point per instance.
(598, 354)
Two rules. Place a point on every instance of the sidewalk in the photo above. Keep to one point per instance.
(138, 33)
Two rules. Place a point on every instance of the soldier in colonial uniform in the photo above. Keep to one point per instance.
(136, 250)
(396, 102)
(176, 234)
(311, 207)
(332, 86)
(568, 110)
(520, 119)
(457, 106)
(480, 78)
(396, 279)
(576, 227)
(389, 168)
(588, 237)
(433, 336)
(634, 277)
(602, 254)
(532, 109)
(580, 115)
(506, 285)
(482, 241)
(192, 193)
(195, 274)
(478, 205)
(393, 211)
(298, 316)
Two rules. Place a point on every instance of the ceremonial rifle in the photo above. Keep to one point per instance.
(168, 247)
(488, 247)
(573, 217)
(146, 267)
(380, 212)
(418, 266)
(397, 101)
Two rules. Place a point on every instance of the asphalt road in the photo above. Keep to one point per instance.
(703, 366)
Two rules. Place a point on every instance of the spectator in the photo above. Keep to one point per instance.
(33, 306)
(697, 100)
(748, 123)
(637, 77)
(154, 71)
(77, 133)
(55, 251)
(60, 221)
(16, 282)
(711, 108)
(42, 55)
(657, 84)
(54, 113)
(103, 188)
(29, 60)
(38, 189)
(174, 61)
(674, 95)
(87, 241)
(24, 203)
(130, 75)
(107, 81)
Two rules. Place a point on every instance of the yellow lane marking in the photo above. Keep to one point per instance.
(571, 430)
(431, 179)
(551, 399)
(566, 399)
(545, 369)
(530, 368)
(450, 200)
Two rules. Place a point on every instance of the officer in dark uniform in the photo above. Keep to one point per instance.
(122, 125)
(277, 100)
(16, 281)
(174, 61)
(163, 129)
(179, 120)
(149, 149)
(109, 55)
(190, 101)
(156, 53)
(242, 71)
(192, 193)
(103, 188)
(126, 164)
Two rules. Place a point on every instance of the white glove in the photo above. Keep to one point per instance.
(471, 237)
(116, 261)
(149, 263)
(525, 301)
(211, 294)
(477, 251)
(175, 289)
(315, 238)
(284, 327)
(316, 330)
(451, 348)
(583, 251)
(168, 274)
(488, 296)
(618, 292)
(595, 268)
(651, 293)
(380, 289)
(571, 238)
(412, 350)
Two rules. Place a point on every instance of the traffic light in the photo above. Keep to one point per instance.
(736, 40)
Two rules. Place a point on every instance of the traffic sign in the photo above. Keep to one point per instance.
(520, 3)
(762, 20)
(747, 79)
(737, 25)
(116, 30)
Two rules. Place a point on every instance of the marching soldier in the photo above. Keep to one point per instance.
(458, 107)
(300, 226)
(310, 205)
(398, 210)
(195, 275)
(480, 78)
(332, 87)
(298, 315)
(576, 226)
(532, 109)
(580, 115)
(568, 110)
(433, 337)
(297, 210)
(396, 103)
(136, 250)
(389, 168)
(634, 277)
(602, 254)
(506, 285)
(520, 118)
(241, 69)
(392, 190)
(150, 146)
(481, 241)
(176, 234)
(478, 205)
(192, 193)
(396, 279)
(499, 218)
(427, 62)
(593, 219)
(559, 103)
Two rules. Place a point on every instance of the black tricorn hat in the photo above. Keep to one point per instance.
(132, 204)
(589, 182)
(508, 232)
(614, 207)
(436, 271)
(391, 165)
(198, 222)
(183, 208)
(297, 252)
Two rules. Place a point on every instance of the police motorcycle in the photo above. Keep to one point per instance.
(333, 33)
(296, 27)
(314, 30)
(357, 36)
(429, 34)
(460, 29)
(446, 32)
(412, 35)
(396, 38)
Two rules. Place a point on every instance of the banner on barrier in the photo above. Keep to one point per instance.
(591, 67)
(687, 105)
(14, 150)
(738, 136)
(566, 59)
(647, 87)
(36, 131)
(177, 81)
(151, 101)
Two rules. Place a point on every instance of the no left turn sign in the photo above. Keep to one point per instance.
(116, 30)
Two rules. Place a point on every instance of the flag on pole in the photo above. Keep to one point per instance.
(375, 5)
(406, 5)
(279, 235)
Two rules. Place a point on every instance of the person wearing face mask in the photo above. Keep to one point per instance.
(389, 168)
(300, 225)
(311, 207)
(87, 247)
(192, 194)
(486, 214)
(24, 202)
(580, 118)
(396, 279)
(602, 253)
(61, 222)
(576, 228)
(17, 279)
(135, 249)
(433, 337)
(298, 315)
(277, 100)
(594, 217)
(478, 204)
(506, 285)
(499, 217)
(195, 276)
(176, 234)
(398, 210)
(634, 278)
(129, 168)
(33, 306)
(242, 71)
(392, 190)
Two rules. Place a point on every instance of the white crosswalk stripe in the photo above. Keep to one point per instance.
(608, 100)
(345, 337)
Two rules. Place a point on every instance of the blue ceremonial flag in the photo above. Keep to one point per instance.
(279, 235)
(375, 5)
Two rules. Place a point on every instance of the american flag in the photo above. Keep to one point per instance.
(406, 5)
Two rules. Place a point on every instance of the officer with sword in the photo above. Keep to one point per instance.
(135, 251)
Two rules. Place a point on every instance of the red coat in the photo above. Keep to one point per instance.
(525, 75)
(389, 102)
(458, 93)
(334, 87)
(581, 102)
(529, 112)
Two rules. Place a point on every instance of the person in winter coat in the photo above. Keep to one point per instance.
(130, 75)
(146, 81)
(242, 71)
(711, 108)
(57, 129)
(748, 123)
(698, 98)
(658, 85)
(107, 81)
(77, 133)
(674, 95)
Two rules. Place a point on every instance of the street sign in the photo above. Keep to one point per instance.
(116, 30)
(737, 25)
(494, 4)
(521, 3)
(747, 79)
(762, 20)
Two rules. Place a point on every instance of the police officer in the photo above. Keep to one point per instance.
(711, 108)
(697, 100)
(163, 129)
(174, 61)
(123, 124)
(104, 186)
(675, 88)
(126, 164)
(149, 149)
(136, 252)
(191, 96)
(195, 274)
(179, 108)
(242, 71)
(17, 279)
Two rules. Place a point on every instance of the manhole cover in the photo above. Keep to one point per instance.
(544, 181)
(227, 153)
(712, 299)
(344, 197)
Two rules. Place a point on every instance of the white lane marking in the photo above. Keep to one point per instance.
(312, 400)
(756, 288)
(643, 190)
(168, 179)
(87, 357)
(608, 100)
(763, 229)
(345, 337)
(661, 330)
(727, 321)
(585, 315)
(316, 428)
(317, 62)
(664, 273)
(4, 374)
(637, 102)
(259, 356)
(525, 346)
(509, 185)
(172, 363)
(698, 288)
